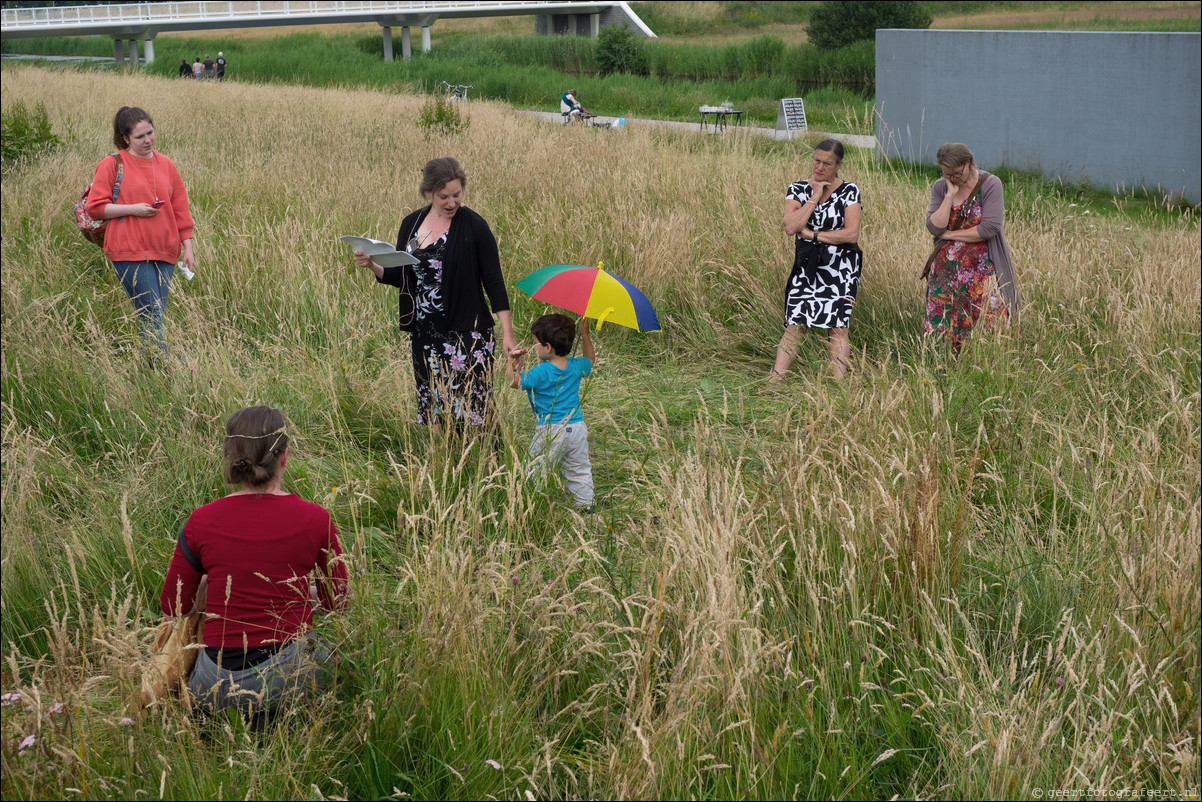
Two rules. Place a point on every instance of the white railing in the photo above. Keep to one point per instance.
(208, 9)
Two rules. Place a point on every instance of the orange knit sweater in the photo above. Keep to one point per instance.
(138, 239)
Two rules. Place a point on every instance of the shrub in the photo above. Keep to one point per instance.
(619, 50)
(442, 115)
(835, 24)
(24, 132)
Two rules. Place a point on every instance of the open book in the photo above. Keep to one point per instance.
(383, 252)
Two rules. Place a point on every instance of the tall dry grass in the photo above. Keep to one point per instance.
(934, 580)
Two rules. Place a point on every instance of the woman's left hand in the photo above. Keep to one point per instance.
(186, 259)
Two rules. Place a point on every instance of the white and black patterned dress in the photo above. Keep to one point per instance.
(822, 287)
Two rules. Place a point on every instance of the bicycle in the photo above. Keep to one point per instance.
(455, 91)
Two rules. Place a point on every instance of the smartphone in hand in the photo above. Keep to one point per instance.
(157, 204)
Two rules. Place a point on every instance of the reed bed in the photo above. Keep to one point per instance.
(936, 579)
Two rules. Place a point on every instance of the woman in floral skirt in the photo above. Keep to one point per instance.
(970, 282)
(442, 300)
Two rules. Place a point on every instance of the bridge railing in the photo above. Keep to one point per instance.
(207, 9)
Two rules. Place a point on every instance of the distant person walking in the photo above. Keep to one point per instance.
(185, 69)
(220, 66)
(197, 68)
(208, 67)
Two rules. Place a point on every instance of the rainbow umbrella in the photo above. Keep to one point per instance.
(592, 292)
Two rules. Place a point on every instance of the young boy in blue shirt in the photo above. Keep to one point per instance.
(553, 387)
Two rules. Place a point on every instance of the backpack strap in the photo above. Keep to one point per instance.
(189, 555)
(117, 180)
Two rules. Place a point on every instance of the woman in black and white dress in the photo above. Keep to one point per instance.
(823, 214)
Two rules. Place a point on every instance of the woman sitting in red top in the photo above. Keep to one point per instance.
(255, 550)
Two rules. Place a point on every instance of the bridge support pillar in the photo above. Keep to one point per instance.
(387, 43)
(148, 50)
(133, 52)
(118, 53)
(425, 38)
(406, 48)
(594, 25)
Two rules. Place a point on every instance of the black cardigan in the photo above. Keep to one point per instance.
(471, 268)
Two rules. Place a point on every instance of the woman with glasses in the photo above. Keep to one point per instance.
(823, 215)
(970, 279)
(442, 300)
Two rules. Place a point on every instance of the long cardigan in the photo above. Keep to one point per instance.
(471, 268)
(991, 230)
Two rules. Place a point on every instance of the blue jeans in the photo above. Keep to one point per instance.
(147, 284)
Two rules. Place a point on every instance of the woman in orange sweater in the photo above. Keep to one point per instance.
(150, 227)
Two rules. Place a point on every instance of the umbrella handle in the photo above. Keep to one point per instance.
(602, 316)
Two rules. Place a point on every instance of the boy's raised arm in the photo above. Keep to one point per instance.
(586, 343)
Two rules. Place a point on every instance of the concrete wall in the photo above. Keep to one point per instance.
(1113, 109)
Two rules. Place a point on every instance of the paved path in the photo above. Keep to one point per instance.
(852, 140)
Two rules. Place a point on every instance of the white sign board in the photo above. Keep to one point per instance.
(791, 116)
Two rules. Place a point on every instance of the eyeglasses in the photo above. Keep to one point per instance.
(955, 173)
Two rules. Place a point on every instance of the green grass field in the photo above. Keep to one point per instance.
(937, 579)
(751, 53)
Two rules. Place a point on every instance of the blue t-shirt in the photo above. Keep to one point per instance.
(555, 393)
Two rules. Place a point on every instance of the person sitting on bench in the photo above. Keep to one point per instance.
(570, 107)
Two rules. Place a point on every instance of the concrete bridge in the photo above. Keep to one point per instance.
(129, 22)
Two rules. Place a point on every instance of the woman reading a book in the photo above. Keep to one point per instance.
(442, 301)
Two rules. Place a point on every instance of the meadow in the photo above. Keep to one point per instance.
(750, 53)
(937, 579)
(533, 71)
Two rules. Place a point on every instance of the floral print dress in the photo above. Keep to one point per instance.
(962, 289)
(452, 369)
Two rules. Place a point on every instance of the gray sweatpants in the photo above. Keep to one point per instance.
(292, 674)
(563, 446)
